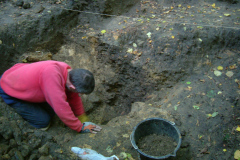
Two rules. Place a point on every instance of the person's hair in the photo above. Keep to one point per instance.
(83, 80)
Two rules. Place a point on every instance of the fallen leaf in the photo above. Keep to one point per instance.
(59, 151)
(211, 94)
(175, 107)
(125, 135)
(189, 88)
(149, 34)
(219, 92)
(217, 73)
(209, 77)
(214, 114)
(238, 129)
(213, 5)
(172, 37)
(103, 31)
(195, 107)
(109, 150)
(134, 45)
(233, 66)
(209, 115)
(200, 39)
(220, 68)
(224, 150)
(188, 82)
(92, 135)
(200, 27)
(227, 15)
(237, 81)
(229, 74)
(0, 42)
(237, 154)
(130, 50)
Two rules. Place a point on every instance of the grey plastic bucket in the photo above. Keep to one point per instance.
(157, 126)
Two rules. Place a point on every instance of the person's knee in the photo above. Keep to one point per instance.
(43, 122)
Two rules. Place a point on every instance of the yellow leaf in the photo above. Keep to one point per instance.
(13, 45)
(213, 5)
(209, 115)
(84, 37)
(224, 150)
(103, 31)
(173, 37)
(233, 66)
(227, 15)
(24, 61)
(127, 122)
(172, 7)
(237, 154)
(179, 5)
(92, 135)
(188, 6)
(220, 68)
(125, 135)
(0, 42)
(238, 129)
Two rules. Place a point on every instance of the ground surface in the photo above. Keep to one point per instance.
(176, 60)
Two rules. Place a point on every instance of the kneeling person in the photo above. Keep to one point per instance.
(39, 90)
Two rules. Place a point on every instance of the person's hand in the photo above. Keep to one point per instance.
(89, 127)
(83, 118)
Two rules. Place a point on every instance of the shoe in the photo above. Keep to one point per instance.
(45, 128)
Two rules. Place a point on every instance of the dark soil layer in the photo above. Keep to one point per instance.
(157, 145)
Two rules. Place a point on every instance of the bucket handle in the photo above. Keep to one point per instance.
(131, 139)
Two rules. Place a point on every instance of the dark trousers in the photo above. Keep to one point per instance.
(37, 114)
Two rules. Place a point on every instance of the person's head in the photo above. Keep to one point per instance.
(83, 80)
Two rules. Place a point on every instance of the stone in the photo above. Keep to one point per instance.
(13, 143)
(33, 157)
(26, 5)
(44, 150)
(18, 155)
(25, 150)
(19, 3)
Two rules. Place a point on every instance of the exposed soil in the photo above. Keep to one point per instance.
(150, 59)
(157, 145)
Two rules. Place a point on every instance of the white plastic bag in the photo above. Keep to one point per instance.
(89, 154)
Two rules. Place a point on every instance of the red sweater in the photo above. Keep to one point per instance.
(45, 81)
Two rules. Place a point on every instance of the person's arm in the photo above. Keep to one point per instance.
(53, 87)
(76, 103)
